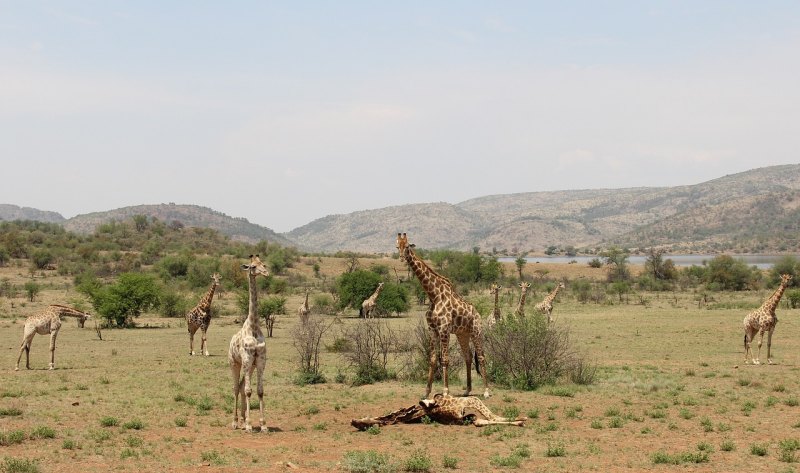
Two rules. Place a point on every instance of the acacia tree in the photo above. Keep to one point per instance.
(129, 297)
(520, 263)
(617, 261)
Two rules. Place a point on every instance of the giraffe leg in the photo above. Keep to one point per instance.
(749, 335)
(204, 342)
(466, 353)
(191, 340)
(444, 342)
(26, 347)
(248, 392)
(431, 365)
(261, 364)
(235, 371)
(53, 336)
(477, 342)
(769, 345)
(760, 341)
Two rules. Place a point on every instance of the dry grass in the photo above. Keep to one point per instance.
(668, 384)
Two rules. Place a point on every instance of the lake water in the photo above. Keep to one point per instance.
(760, 261)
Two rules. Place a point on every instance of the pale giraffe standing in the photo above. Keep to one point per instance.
(304, 310)
(248, 352)
(448, 313)
(200, 317)
(44, 322)
(495, 316)
(763, 320)
(369, 304)
(520, 312)
(546, 306)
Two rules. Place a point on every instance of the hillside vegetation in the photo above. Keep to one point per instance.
(749, 212)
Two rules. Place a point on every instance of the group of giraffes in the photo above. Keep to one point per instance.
(448, 313)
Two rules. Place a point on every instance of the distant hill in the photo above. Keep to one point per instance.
(14, 212)
(711, 216)
(752, 211)
(189, 215)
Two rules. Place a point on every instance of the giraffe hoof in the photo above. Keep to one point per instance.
(206, 354)
(16, 369)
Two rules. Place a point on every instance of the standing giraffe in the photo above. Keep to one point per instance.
(200, 317)
(521, 306)
(763, 320)
(448, 313)
(546, 306)
(495, 316)
(44, 322)
(248, 351)
(369, 304)
(304, 310)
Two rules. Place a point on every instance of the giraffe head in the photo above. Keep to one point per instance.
(495, 288)
(785, 279)
(402, 245)
(216, 277)
(380, 284)
(524, 286)
(256, 267)
(561, 285)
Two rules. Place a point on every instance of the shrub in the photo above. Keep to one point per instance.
(307, 340)
(372, 341)
(119, 303)
(43, 432)
(418, 461)
(368, 461)
(16, 465)
(109, 421)
(527, 352)
(173, 305)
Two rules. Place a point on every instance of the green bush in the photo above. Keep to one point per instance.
(173, 305)
(527, 352)
(121, 302)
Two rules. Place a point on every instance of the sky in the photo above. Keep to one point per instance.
(285, 112)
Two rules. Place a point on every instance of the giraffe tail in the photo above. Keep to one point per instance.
(477, 363)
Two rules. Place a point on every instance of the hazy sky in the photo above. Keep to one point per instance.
(284, 112)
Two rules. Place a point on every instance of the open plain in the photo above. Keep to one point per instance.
(671, 389)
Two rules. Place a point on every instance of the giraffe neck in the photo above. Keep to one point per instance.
(551, 297)
(306, 302)
(64, 311)
(430, 279)
(252, 308)
(771, 303)
(496, 302)
(205, 302)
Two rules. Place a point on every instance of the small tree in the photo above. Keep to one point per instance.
(617, 261)
(4, 256)
(307, 340)
(520, 263)
(129, 297)
(31, 289)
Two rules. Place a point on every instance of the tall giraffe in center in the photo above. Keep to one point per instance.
(763, 320)
(248, 351)
(369, 303)
(200, 317)
(495, 316)
(520, 312)
(448, 313)
(546, 306)
(48, 321)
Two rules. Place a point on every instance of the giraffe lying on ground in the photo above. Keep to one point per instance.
(44, 322)
(444, 409)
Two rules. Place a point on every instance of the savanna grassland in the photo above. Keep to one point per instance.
(671, 389)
